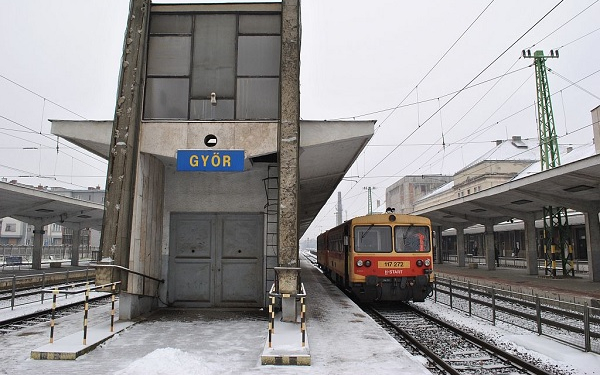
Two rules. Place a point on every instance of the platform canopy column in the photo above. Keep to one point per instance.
(460, 245)
(592, 234)
(490, 254)
(531, 250)
(75, 246)
(438, 244)
(38, 243)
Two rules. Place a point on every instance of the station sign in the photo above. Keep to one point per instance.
(210, 160)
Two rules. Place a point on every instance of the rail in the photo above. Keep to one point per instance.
(572, 323)
(55, 292)
(144, 276)
(15, 287)
(302, 299)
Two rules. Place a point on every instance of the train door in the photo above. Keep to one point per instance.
(347, 255)
(215, 260)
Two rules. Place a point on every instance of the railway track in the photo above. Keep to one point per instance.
(447, 349)
(9, 325)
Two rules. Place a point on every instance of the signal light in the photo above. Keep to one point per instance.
(419, 263)
(427, 262)
(359, 263)
(367, 263)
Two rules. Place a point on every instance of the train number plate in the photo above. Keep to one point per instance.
(393, 264)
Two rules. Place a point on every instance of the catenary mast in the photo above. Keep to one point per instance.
(556, 241)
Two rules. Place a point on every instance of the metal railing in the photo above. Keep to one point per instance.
(575, 324)
(301, 298)
(55, 252)
(580, 266)
(55, 292)
(144, 276)
(10, 285)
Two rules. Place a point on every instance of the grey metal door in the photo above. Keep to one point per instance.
(216, 260)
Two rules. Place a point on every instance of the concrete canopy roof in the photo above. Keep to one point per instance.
(40, 207)
(327, 150)
(575, 185)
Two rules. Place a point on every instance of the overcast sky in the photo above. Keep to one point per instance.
(363, 60)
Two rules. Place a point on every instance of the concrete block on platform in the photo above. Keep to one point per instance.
(473, 265)
(55, 264)
(286, 346)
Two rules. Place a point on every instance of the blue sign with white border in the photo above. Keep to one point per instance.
(210, 160)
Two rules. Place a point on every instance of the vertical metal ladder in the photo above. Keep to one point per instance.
(271, 183)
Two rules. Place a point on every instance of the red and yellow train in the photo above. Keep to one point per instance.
(381, 257)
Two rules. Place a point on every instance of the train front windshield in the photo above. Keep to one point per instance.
(411, 239)
(372, 239)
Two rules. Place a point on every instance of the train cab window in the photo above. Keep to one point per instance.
(411, 239)
(372, 239)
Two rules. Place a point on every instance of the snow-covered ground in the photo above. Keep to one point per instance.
(552, 355)
(341, 341)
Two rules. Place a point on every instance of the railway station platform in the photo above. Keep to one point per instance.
(24, 276)
(578, 289)
(341, 339)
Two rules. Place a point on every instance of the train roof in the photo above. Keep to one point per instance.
(380, 219)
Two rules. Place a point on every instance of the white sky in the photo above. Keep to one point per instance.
(360, 59)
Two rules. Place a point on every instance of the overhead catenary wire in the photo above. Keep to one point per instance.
(563, 25)
(423, 101)
(421, 123)
(431, 69)
(42, 97)
(508, 117)
(471, 81)
(50, 138)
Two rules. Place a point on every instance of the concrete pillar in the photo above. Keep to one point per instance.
(490, 254)
(592, 234)
(122, 160)
(531, 250)
(288, 272)
(438, 245)
(460, 245)
(38, 243)
(596, 128)
(75, 247)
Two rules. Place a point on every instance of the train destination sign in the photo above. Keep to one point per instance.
(210, 160)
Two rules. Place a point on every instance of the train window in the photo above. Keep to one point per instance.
(372, 239)
(412, 239)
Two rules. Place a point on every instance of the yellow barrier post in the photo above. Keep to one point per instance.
(54, 294)
(303, 320)
(271, 320)
(85, 314)
(112, 310)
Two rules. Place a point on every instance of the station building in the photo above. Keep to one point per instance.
(212, 177)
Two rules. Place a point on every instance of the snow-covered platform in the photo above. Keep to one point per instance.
(72, 346)
(578, 289)
(340, 339)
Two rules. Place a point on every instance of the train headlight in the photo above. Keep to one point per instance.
(419, 263)
(427, 262)
(359, 263)
(367, 263)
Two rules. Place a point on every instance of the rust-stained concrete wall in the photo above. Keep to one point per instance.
(116, 228)
(146, 228)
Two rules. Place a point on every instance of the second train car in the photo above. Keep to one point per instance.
(380, 257)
